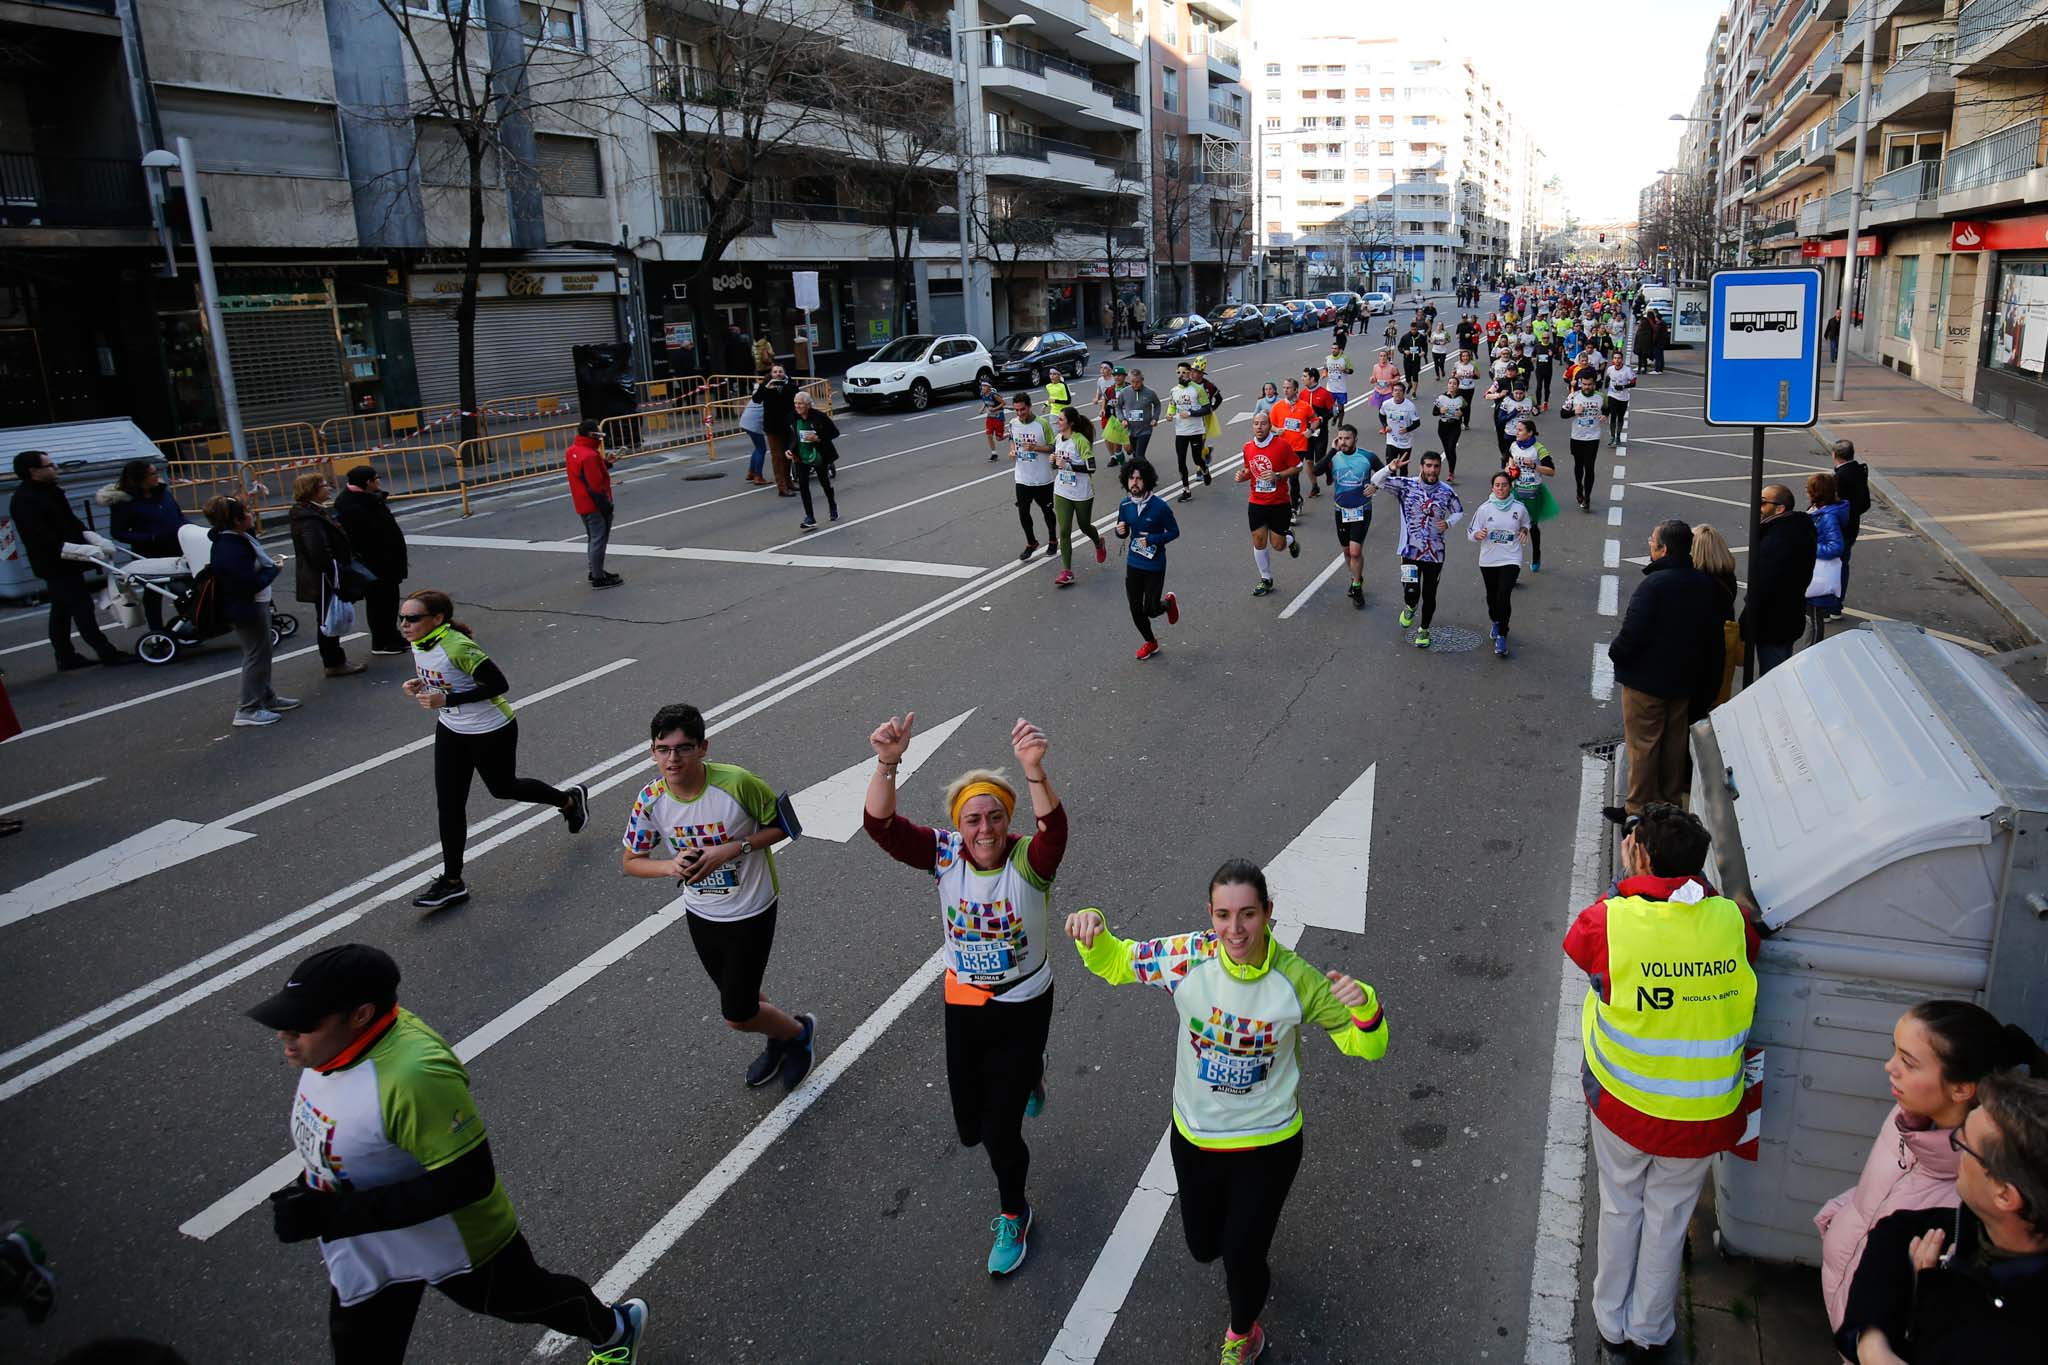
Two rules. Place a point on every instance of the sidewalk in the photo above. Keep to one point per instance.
(1748, 1313)
(1973, 484)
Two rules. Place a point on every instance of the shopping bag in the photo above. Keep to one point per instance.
(339, 618)
(1826, 581)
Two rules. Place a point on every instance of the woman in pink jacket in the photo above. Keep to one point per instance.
(1940, 1050)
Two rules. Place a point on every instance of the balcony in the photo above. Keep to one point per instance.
(934, 40)
(1903, 195)
(1838, 210)
(1921, 82)
(1222, 13)
(1853, 28)
(1818, 148)
(1994, 35)
(1073, 27)
(1824, 77)
(72, 192)
(1055, 87)
(1813, 219)
(2001, 169)
(1787, 226)
(1845, 121)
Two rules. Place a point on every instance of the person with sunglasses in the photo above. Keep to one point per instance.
(1780, 567)
(475, 735)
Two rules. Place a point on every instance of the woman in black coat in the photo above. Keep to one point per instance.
(242, 574)
(322, 548)
(813, 454)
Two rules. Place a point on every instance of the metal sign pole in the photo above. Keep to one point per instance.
(1756, 531)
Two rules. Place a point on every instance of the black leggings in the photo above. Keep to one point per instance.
(1500, 593)
(1184, 446)
(995, 1057)
(1423, 589)
(509, 1286)
(1447, 434)
(735, 956)
(1143, 589)
(492, 756)
(1584, 453)
(1542, 395)
(1041, 494)
(1437, 358)
(1230, 1203)
(822, 472)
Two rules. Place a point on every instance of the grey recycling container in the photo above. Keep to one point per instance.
(88, 455)
(1881, 799)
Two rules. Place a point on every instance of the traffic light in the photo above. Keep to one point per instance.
(1603, 237)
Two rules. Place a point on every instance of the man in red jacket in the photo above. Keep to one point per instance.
(590, 489)
(1665, 1023)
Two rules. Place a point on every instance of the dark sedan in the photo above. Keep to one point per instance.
(1025, 357)
(1238, 322)
(1280, 319)
(1177, 334)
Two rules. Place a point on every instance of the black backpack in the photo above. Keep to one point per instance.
(202, 605)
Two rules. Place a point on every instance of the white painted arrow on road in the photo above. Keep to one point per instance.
(1319, 878)
(832, 809)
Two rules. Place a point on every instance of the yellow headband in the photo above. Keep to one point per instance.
(974, 789)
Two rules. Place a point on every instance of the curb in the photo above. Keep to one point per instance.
(2030, 620)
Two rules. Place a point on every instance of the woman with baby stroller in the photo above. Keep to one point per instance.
(143, 515)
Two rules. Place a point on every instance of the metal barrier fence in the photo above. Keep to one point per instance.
(286, 439)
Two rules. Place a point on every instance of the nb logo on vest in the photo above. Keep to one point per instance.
(1653, 997)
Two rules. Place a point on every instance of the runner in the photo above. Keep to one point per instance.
(1031, 441)
(399, 1185)
(1057, 397)
(1384, 373)
(1584, 407)
(1439, 348)
(1292, 417)
(475, 735)
(1621, 377)
(1529, 461)
(1140, 407)
(993, 422)
(710, 826)
(1429, 507)
(1413, 345)
(1398, 421)
(1450, 424)
(1116, 432)
(1212, 426)
(1237, 1119)
(1268, 458)
(1105, 390)
(1188, 404)
(995, 899)
(1322, 421)
(1465, 372)
(1148, 524)
(1499, 527)
(1351, 472)
(1073, 490)
(1545, 369)
(1511, 403)
(1337, 372)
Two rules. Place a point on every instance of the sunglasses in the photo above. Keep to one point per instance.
(413, 618)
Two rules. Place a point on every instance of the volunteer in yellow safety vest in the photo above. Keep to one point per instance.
(1667, 1015)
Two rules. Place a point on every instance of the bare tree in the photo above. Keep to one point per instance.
(1366, 230)
(901, 139)
(1009, 224)
(1173, 204)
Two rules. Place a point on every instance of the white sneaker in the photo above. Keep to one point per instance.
(284, 704)
(387, 651)
(257, 718)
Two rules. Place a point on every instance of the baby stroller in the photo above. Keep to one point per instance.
(174, 579)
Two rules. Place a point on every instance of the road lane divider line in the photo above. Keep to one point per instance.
(50, 795)
(916, 568)
(1603, 672)
(1314, 585)
(823, 531)
(1614, 516)
(1610, 555)
(1610, 594)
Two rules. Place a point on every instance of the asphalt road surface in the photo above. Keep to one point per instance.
(190, 864)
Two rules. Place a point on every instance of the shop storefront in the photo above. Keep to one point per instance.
(528, 319)
(1829, 256)
(2012, 363)
(856, 315)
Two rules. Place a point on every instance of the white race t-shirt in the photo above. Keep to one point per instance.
(1034, 467)
(1073, 485)
(1187, 400)
(1450, 406)
(734, 805)
(1498, 533)
(1401, 419)
(1618, 381)
(1584, 409)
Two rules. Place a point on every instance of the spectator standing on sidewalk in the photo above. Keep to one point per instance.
(1831, 550)
(1965, 1286)
(242, 573)
(323, 548)
(1672, 998)
(1667, 658)
(1832, 333)
(379, 542)
(590, 492)
(1780, 567)
(777, 397)
(1712, 557)
(44, 523)
(1852, 481)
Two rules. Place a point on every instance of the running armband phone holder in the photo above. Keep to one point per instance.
(785, 815)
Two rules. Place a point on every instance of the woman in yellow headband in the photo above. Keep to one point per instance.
(995, 901)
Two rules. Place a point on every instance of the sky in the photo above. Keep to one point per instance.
(1640, 62)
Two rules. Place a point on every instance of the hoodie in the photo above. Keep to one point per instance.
(1908, 1168)
(147, 525)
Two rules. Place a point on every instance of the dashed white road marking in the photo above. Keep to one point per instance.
(1610, 594)
(1314, 586)
(50, 795)
(1614, 516)
(1610, 555)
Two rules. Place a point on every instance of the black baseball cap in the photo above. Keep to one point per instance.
(329, 982)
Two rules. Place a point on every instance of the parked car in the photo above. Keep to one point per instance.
(1342, 299)
(1308, 317)
(1379, 301)
(1024, 357)
(913, 369)
(1238, 322)
(1177, 334)
(1280, 319)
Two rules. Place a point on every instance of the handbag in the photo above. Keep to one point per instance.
(1826, 581)
(353, 582)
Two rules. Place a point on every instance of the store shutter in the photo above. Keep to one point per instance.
(287, 366)
(522, 347)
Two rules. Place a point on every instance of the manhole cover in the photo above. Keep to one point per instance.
(703, 475)
(1449, 640)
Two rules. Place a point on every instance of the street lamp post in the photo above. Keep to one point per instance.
(1848, 295)
(209, 289)
(964, 104)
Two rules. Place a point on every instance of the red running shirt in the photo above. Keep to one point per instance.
(1270, 465)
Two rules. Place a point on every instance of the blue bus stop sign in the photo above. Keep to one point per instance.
(1763, 348)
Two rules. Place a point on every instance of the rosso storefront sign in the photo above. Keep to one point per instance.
(2004, 234)
(517, 284)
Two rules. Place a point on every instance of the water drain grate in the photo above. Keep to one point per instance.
(1450, 640)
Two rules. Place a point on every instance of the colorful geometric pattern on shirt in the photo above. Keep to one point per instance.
(1163, 961)
(1232, 1054)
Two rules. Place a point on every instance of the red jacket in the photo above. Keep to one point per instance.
(588, 475)
(1585, 943)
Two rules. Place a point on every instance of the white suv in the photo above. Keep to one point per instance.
(913, 368)
(1378, 301)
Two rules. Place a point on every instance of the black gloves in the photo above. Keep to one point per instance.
(299, 1212)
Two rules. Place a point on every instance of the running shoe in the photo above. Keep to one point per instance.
(1147, 650)
(762, 1069)
(400, 650)
(1500, 646)
(1265, 586)
(835, 514)
(807, 524)
(577, 812)
(1294, 547)
(441, 891)
(798, 1057)
(1186, 495)
(25, 1279)
(1407, 617)
(1422, 638)
(1172, 610)
(1493, 631)
(283, 704)
(1206, 480)
(1051, 550)
(1065, 580)
(1356, 592)
(1029, 550)
(1101, 552)
(257, 718)
(1008, 1251)
(1034, 1104)
(1245, 1349)
(1535, 566)
(632, 1336)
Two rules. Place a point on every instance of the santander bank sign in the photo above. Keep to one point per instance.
(2005, 234)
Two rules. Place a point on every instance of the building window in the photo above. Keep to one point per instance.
(1337, 95)
(1334, 148)
(1336, 70)
(1272, 68)
(1386, 120)
(1273, 174)
(1169, 86)
(1272, 97)
(1308, 70)
(1386, 92)
(569, 166)
(1310, 121)
(1308, 96)
(1334, 121)
(1909, 282)
(1169, 148)
(556, 24)
(1272, 122)
(1907, 148)
(246, 135)
(1386, 149)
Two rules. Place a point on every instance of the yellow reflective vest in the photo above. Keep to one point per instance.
(1681, 997)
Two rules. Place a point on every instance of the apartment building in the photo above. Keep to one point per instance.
(1200, 209)
(1950, 283)
(1381, 161)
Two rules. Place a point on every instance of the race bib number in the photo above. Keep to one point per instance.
(1263, 485)
(1411, 573)
(1294, 424)
(1227, 1071)
(718, 883)
(809, 435)
(1496, 536)
(1144, 549)
(1349, 514)
(982, 959)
